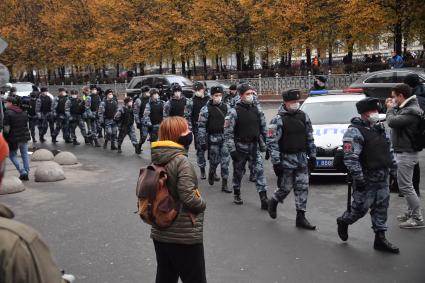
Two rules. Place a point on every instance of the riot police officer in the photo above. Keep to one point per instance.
(92, 102)
(370, 161)
(139, 106)
(229, 98)
(107, 110)
(177, 104)
(153, 115)
(44, 110)
(245, 131)
(211, 136)
(59, 115)
(74, 109)
(291, 147)
(125, 120)
(32, 114)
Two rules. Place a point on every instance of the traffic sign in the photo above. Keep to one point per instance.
(3, 45)
(4, 75)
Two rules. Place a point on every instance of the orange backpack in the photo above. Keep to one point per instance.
(156, 206)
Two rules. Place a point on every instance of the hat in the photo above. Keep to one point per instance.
(244, 87)
(13, 89)
(198, 86)
(216, 89)
(323, 79)
(4, 148)
(291, 94)
(93, 87)
(14, 99)
(61, 89)
(108, 91)
(74, 91)
(44, 89)
(153, 90)
(127, 100)
(144, 88)
(367, 104)
(233, 87)
(412, 80)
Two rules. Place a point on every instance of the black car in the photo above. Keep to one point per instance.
(378, 84)
(165, 81)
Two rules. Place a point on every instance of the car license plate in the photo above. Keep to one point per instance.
(325, 163)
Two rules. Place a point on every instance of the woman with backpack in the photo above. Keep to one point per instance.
(179, 248)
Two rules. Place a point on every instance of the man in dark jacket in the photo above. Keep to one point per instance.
(17, 135)
(403, 117)
(32, 115)
(44, 110)
(60, 116)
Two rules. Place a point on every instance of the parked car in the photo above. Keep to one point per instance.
(378, 84)
(211, 83)
(22, 88)
(137, 82)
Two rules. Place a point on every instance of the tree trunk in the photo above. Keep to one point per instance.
(251, 60)
(160, 65)
(183, 65)
(398, 38)
(330, 55)
(240, 61)
(350, 53)
(173, 66)
(204, 60)
(217, 66)
(142, 68)
(118, 70)
(290, 57)
(308, 55)
(194, 67)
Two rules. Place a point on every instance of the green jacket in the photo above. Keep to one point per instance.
(183, 185)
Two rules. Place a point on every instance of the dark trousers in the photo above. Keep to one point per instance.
(177, 260)
(417, 178)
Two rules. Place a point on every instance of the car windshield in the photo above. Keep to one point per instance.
(180, 80)
(330, 112)
(23, 87)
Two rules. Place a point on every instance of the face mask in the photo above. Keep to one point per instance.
(249, 99)
(94, 91)
(294, 106)
(155, 96)
(199, 94)
(147, 94)
(177, 94)
(373, 118)
(217, 100)
(130, 104)
(110, 97)
(186, 140)
(74, 96)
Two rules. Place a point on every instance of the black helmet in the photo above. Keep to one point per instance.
(145, 88)
(198, 86)
(175, 87)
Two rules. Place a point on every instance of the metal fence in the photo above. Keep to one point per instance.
(264, 86)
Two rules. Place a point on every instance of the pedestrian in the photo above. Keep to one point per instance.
(370, 161)
(153, 115)
(245, 131)
(16, 132)
(177, 104)
(125, 119)
(107, 111)
(403, 117)
(211, 136)
(179, 248)
(32, 114)
(194, 107)
(139, 106)
(319, 83)
(293, 154)
(44, 110)
(74, 110)
(59, 116)
(396, 61)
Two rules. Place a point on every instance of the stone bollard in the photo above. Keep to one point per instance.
(42, 155)
(65, 158)
(49, 171)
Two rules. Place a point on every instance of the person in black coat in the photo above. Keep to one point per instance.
(17, 135)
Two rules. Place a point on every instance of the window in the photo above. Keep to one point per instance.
(331, 112)
(161, 81)
(402, 75)
(387, 77)
(145, 81)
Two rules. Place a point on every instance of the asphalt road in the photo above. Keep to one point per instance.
(89, 223)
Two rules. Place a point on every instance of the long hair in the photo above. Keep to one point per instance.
(172, 128)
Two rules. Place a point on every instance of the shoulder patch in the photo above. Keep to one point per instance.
(348, 147)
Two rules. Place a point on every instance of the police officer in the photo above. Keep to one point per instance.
(291, 147)
(96, 98)
(194, 107)
(229, 98)
(125, 120)
(211, 136)
(153, 115)
(32, 114)
(245, 131)
(74, 109)
(319, 83)
(177, 104)
(107, 110)
(60, 117)
(370, 161)
(92, 103)
(139, 106)
(44, 110)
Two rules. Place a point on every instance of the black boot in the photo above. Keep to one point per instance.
(68, 140)
(96, 142)
(54, 139)
(75, 142)
(216, 177)
(100, 135)
(105, 144)
(113, 147)
(237, 197)
(273, 207)
(382, 244)
(203, 177)
(302, 222)
(264, 200)
(138, 148)
(342, 229)
(42, 139)
(224, 187)
(34, 140)
(211, 178)
(87, 140)
(119, 149)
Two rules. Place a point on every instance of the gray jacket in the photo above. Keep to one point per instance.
(403, 122)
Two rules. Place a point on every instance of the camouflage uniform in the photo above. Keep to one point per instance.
(376, 195)
(218, 153)
(125, 120)
(108, 122)
(44, 110)
(246, 150)
(74, 109)
(295, 165)
(168, 111)
(139, 107)
(152, 127)
(32, 114)
(89, 117)
(61, 119)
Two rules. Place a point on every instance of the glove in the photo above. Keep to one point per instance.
(138, 125)
(267, 157)
(360, 185)
(203, 147)
(278, 169)
(312, 163)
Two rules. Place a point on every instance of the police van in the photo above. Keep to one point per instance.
(330, 112)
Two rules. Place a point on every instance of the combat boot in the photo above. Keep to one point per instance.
(203, 177)
(224, 187)
(342, 229)
(119, 149)
(34, 140)
(42, 139)
(237, 197)
(75, 142)
(68, 141)
(105, 144)
(96, 142)
(302, 222)
(54, 139)
(264, 200)
(113, 147)
(216, 177)
(138, 148)
(382, 244)
(211, 178)
(87, 140)
(272, 207)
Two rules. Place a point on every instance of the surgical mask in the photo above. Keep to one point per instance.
(155, 96)
(74, 96)
(110, 97)
(373, 118)
(94, 91)
(294, 106)
(217, 100)
(130, 104)
(177, 94)
(146, 94)
(199, 93)
(186, 140)
(249, 99)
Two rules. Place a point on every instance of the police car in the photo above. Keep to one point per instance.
(330, 113)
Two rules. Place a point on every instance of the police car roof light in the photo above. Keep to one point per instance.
(318, 92)
(353, 90)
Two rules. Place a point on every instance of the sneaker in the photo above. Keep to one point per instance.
(412, 223)
(404, 217)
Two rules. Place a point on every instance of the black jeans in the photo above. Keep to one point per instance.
(177, 260)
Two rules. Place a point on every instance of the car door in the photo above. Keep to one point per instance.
(379, 85)
(134, 88)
